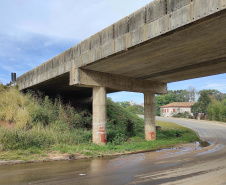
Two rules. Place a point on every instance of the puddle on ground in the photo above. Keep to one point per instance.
(199, 145)
(203, 144)
(184, 149)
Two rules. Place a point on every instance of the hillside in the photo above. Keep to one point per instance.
(36, 126)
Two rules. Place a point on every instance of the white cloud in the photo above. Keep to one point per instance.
(65, 19)
(33, 31)
(218, 84)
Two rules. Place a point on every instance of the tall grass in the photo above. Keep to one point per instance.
(39, 137)
(41, 122)
(15, 107)
(27, 110)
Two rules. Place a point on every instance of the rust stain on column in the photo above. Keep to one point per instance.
(99, 115)
(149, 116)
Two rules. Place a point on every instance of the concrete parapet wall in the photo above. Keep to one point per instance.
(150, 21)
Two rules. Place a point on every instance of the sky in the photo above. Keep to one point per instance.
(33, 31)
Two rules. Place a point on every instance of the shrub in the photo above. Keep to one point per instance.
(217, 110)
(42, 122)
(182, 115)
(136, 109)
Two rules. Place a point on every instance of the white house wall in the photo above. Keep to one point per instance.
(169, 111)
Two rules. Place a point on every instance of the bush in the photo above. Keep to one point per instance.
(217, 110)
(136, 109)
(182, 115)
(122, 119)
(41, 122)
(35, 109)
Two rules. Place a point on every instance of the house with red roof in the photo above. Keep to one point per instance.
(176, 107)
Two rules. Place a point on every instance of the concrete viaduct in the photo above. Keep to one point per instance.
(165, 41)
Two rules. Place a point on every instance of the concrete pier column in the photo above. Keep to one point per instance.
(149, 116)
(99, 115)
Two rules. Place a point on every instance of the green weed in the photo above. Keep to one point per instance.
(42, 125)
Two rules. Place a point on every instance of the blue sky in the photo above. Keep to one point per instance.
(34, 31)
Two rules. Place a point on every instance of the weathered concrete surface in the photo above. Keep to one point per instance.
(89, 78)
(149, 116)
(165, 41)
(99, 115)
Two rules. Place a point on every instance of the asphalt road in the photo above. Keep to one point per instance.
(186, 164)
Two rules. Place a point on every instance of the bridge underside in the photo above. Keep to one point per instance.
(60, 86)
(192, 51)
(158, 44)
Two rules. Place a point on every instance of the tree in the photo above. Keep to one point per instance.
(164, 99)
(204, 101)
(181, 95)
(217, 110)
(136, 109)
(171, 96)
(214, 94)
(124, 104)
(202, 104)
(196, 109)
(192, 94)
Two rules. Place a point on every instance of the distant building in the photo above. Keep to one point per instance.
(142, 104)
(131, 102)
(176, 107)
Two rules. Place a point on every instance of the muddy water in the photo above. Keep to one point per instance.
(113, 170)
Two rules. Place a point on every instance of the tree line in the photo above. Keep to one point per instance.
(210, 102)
(182, 95)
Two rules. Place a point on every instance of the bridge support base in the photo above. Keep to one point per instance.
(149, 116)
(99, 115)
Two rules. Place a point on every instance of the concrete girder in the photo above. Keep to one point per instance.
(88, 78)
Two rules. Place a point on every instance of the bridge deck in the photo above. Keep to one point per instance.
(165, 41)
(195, 50)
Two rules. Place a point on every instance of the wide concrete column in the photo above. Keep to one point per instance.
(149, 116)
(99, 115)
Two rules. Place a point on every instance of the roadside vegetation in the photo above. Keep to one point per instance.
(134, 108)
(182, 95)
(210, 103)
(216, 110)
(182, 115)
(33, 126)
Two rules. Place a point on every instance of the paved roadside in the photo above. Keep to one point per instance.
(190, 120)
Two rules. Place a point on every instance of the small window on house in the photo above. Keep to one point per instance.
(167, 110)
(174, 110)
